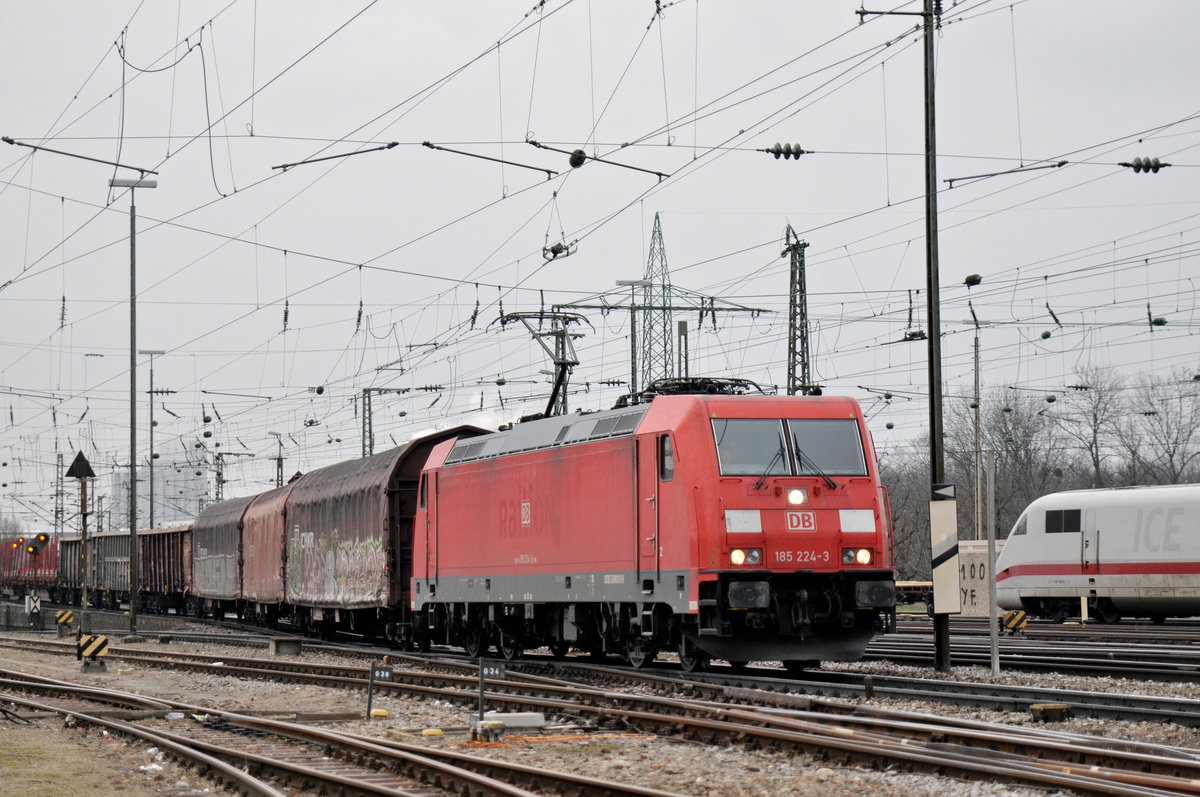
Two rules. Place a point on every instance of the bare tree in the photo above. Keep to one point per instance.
(1163, 430)
(1089, 415)
(10, 526)
(1031, 458)
(905, 473)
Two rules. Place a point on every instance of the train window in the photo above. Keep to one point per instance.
(827, 446)
(421, 493)
(1062, 521)
(1020, 528)
(750, 447)
(666, 459)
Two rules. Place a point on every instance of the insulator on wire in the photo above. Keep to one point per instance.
(788, 151)
(1145, 165)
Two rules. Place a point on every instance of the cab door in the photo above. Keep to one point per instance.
(646, 495)
(1089, 548)
(428, 501)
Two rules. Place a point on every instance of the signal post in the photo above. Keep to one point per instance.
(81, 469)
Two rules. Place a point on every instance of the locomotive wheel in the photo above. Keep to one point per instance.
(737, 665)
(473, 641)
(510, 647)
(691, 658)
(640, 653)
(559, 648)
(1158, 619)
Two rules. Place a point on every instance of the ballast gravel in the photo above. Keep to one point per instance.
(665, 763)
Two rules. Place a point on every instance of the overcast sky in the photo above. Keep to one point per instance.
(279, 294)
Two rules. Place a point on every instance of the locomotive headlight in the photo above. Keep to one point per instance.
(745, 556)
(860, 556)
(797, 496)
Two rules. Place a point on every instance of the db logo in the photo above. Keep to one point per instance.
(801, 521)
(526, 513)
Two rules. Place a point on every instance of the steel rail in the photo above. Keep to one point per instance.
(695, 719)
(243, 781)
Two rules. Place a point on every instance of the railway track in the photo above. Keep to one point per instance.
(661, 679)
(1169, 652)
(717, 713)
(244, 751)
(1040, 652)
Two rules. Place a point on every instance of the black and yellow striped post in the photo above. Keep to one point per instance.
(1015, 621)
(89, 650)
(63, 619)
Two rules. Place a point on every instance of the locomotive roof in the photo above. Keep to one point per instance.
(558, 430)
(562, 430)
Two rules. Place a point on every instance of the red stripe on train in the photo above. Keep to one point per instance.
(1105, 569)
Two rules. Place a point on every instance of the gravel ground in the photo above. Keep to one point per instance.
(663, 763)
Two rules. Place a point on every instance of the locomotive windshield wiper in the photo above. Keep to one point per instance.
(758, 485)
(802, 457)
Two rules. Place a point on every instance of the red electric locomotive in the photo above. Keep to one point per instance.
(721, 526)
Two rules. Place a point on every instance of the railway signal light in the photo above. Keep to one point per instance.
(1145, 165)
(34, 547)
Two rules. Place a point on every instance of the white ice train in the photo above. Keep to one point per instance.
(1131, 551)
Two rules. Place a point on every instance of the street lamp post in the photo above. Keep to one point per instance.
(133, 185)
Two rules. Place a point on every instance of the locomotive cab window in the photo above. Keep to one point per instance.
(1062, 521)
(1021, 527)
(750, 447)
(666, 459)
(827, 446)
(421, 492)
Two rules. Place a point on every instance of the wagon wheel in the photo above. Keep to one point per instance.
(737, 665)
(559, 648)
(510, 646)
(691, 658)
(639, 652)
(796, 667)
(1106, 612)
(473, 641)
